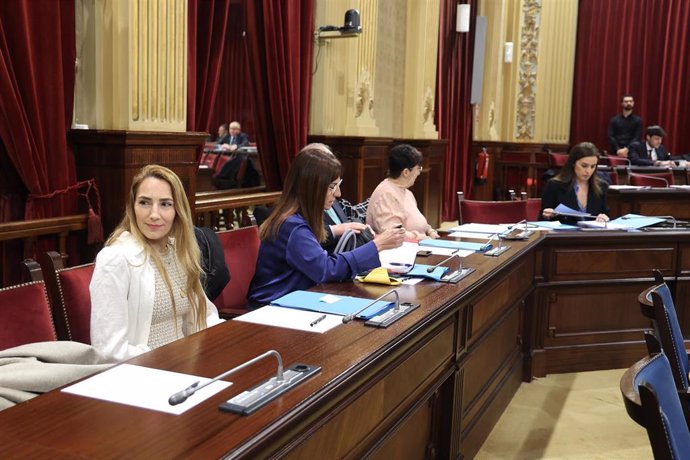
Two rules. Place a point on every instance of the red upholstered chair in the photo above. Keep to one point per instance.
(557, 160)
(25, 315)
(652, 180)
(491, 212)
(222, 159)
(533, 207)
(209, 159)
(69, 297)
(615, 161)
(241, 248)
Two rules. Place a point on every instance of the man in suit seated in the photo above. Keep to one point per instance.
(236, 139)
(652, 152)
(223, 136)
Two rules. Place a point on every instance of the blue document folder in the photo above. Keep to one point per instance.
(456, 244)
(420, 271)
(636, 221)
(329, 303)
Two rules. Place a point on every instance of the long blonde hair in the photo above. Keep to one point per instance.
(185, 245)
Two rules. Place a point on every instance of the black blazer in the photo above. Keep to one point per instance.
(223, 140)
(556, 192)
(331, 240)
(241, 140)
(638, 155)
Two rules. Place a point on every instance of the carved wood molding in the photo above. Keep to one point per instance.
(529, 46)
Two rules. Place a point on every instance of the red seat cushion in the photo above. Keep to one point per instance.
(25, 315)
(492, 212)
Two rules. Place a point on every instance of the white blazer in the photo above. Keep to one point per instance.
(122, 294)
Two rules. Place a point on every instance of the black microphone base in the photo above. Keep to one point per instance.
(250, 400)
(390, 316)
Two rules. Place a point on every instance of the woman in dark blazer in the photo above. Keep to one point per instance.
(577, 186)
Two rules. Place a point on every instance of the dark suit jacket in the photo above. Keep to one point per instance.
(638, 155)
(331, 240)
(556, 193)
(223, 140)
(241, 140)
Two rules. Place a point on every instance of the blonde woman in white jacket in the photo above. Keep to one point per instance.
(146, 289)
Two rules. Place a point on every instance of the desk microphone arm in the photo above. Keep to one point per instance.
(181, 396)
(352, 316)
(452, 254)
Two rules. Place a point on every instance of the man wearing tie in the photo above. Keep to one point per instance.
(652, 152)
(237, 138)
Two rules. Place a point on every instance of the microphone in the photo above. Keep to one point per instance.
(181, 396)
(351, 316)
(452, 254)
(649, 176)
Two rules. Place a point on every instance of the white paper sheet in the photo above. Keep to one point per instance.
(405, 254)
(448, 251)
(145, 387)
(480, 228)
(476, 236)
(291, 318)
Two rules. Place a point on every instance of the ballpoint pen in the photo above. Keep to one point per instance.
(317, 320)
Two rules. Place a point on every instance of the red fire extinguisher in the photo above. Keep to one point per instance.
(481, 169)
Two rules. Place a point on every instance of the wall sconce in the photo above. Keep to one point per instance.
(462, 20)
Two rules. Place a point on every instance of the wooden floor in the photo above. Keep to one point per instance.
(568, 416)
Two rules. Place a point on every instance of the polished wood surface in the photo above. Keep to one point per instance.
(445, 372)
(650, 202)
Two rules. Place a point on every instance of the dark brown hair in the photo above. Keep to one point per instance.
(567, 173)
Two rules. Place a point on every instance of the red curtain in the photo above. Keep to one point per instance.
(640, 47)
(217, 67)
(37, 53)
(279, 49)
(453, 109)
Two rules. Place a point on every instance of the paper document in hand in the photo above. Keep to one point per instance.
(144, 387)
(291, 318)
(403, 255)
(564, 210)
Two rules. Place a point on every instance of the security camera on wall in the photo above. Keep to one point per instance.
(351, 25)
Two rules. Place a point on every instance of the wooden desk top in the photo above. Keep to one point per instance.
(350, 355)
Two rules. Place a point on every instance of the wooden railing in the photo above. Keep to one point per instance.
(228, 209)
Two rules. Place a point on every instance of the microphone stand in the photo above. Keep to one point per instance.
(389, 316)
(454, 276)
(452, 254)
(498, 250)
(250, 400)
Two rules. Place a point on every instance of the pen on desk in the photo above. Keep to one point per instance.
(317, 320)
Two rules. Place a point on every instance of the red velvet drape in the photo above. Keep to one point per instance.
(218, 80)
(636, 46)
(279, 45)
(37, 52)
(453, 109)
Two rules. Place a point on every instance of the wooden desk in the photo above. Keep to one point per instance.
(432, 385)
(650, 202)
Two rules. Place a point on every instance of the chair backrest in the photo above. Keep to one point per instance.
(656, 303)
(25, 315)
(221, 162)
(491, 212)
(241, 249)
(614, 177)
(615, 161)
(556, 159)
(69, 297)
(209, 159)
(533, 208)
(652, 180)
(651, 399)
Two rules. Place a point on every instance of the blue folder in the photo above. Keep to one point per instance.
(345, 305)
(456, 245)
(419, 271)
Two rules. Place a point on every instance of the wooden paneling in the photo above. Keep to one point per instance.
(365, 165)
(650, 202)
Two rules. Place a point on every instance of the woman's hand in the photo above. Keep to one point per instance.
(356, 227)
(432, 233)
(389, 239)
(549, 213)
(602, 218)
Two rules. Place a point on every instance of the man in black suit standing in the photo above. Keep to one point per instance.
(624, 128)
(236, 139)
(652, 152)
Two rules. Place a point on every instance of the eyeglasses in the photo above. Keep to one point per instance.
(332, 187)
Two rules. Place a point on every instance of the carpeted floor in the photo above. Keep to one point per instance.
(568, 416)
